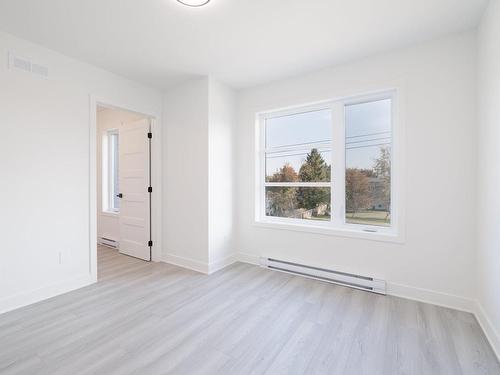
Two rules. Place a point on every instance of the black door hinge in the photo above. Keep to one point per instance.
(150, 243)
(150, 135)
(150, 189)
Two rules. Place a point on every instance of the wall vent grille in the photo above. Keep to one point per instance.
(26, 65)
(40, 70)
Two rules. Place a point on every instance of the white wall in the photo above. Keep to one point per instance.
(108, 223)
(185, 184)
(220, 144)
(488, 208)
(198, 184)
(436, 81)
(44, 159)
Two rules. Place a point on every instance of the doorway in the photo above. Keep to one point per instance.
(124, 185)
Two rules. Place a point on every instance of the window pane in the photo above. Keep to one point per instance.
(114, 185)
(308, 165)
(368, 163)
(311, 203)
(298, 129)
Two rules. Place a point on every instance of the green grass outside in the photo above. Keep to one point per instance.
(370, 217)
(321, 218)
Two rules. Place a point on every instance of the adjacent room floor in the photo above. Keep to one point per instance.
(155, 318)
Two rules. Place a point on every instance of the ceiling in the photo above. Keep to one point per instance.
(240, 42)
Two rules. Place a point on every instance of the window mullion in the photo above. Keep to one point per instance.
(110, 172)
(297, 184)
(261, 177)
(338, 164)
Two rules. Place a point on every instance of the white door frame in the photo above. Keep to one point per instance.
(156, 178)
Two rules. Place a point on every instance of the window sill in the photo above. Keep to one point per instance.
(110, 213)
(328, 231)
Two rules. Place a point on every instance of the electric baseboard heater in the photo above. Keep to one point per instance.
(108, 242)
(360, 282)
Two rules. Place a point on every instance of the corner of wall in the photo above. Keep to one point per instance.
(487, 306)
(488, 328)
(185, 262)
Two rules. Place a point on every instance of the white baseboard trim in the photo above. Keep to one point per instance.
(37, 295)
(196, 265)
(188, 263)
(222, 263)
(430, 296)
(404, 291)
(489, 330)
(248, 258)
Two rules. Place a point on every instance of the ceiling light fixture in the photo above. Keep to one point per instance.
(194, 3)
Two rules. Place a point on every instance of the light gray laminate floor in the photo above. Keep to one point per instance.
(147, 318)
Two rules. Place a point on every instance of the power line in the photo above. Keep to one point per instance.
(366, 135)
(295, 154)
(329, 140)
(285, 153)
(329, 150)
(305, 143)
(378, 144)
(368, 140)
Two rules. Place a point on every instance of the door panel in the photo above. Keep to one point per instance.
(134, 182)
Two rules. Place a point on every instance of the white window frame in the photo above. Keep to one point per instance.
(337, 224)
(108, 178)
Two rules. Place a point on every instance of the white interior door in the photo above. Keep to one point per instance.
(134, 180)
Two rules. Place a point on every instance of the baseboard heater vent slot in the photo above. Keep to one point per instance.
(108, 242)
(366, 283)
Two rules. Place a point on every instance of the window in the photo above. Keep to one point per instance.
(368, 138)
(298, 165)
(328, 165)
(111, 190)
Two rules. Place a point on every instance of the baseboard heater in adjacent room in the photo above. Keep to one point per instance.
(366, 283)
(108, 242)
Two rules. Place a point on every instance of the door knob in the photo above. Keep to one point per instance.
(119, 195)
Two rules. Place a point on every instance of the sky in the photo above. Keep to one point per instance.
(368, 127)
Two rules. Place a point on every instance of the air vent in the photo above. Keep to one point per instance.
(22, 64)
(365, 283)
(26, 65)
(40, 70)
